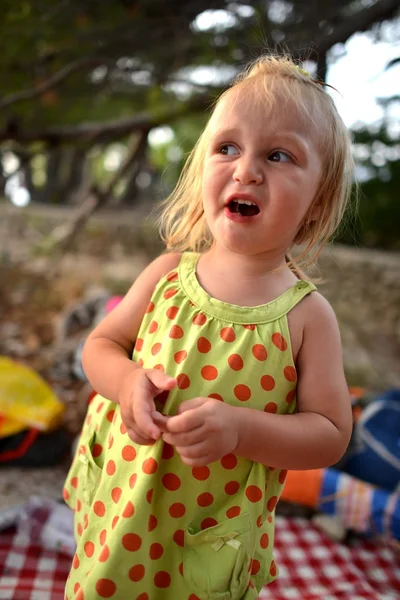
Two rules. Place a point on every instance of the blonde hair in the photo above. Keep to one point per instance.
(182, 222)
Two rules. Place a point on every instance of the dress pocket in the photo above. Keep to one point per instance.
(83, 477)
(216, 560)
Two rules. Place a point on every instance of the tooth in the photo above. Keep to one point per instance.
(248, 202)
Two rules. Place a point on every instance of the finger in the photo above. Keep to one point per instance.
(160, 420)
(185, 439)
(191, 404)
(195, 451)
(185, 422)
(137, 438)
(161, 381)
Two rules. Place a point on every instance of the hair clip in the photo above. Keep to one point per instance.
(302, 71)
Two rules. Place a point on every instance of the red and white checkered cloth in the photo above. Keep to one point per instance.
(312, 567)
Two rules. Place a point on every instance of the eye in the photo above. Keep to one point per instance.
(279, 156)
(228, 150)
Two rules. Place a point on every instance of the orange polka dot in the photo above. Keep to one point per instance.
(85, 521)
(208, 522)
(128, 453)
(155, 349)
(201, 473)
(171, 482)
(114, 522)
(76, 562)
(139, 344)
(177, 510)
(110, 415)
(267, 383)
(97, 450)
(251, 327)
(290, 373)
(205, 499)
(76, 587)
(203, 345)
(105, 554)
(183, 381)
(99, 508)
(272, 569)
(229, 461)
(176, 332)
(162, 579)
(282, 476)
(143, 596)
(242, 392)
(259, 521)
(255, 566)
(150, 307)
(272, 503)
(173, 276)
(232, 487)
(136, 573)
(131, 542)
(116, 494)
(156, 551)
(209, 373)
(103, 537)
(179, 537)
(180, 568)
(271, 407)
(74, 482)
(170, 293)
(232, 512)
(152, 524)
(123, 428)
(132, 480)
(290, 396)
(65, 494)
(235, 361)
(149, 466)
(105, 588)
(140, 362)
(279, 341)
(264, 541)
(100, 407)
(251, 584)
(110, 467)
(78, 505)
(193, 597)
(159, 367)
(167, 451)
(216, 397)
(79, 528)
(180, 356)
(149, 495)
(110, 441)
(172, 311)
(228, 334)
(129, 510)
(153, 327)
(200, 319)
(253, 493)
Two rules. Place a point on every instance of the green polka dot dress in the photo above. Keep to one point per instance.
(149, 527)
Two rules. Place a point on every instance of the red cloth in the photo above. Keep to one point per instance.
(312, 567)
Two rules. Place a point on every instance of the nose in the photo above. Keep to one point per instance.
(248, 171)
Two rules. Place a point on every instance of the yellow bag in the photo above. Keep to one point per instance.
(26, 400)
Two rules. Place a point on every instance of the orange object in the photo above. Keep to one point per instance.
(303, 487)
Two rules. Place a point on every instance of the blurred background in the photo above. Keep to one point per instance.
(101, 102)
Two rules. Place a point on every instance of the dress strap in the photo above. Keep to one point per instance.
(264, 313)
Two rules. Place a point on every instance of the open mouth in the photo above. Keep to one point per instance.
(246, 208)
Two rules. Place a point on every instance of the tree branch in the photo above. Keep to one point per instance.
(360, 21)
(102, 131)
(53, 81)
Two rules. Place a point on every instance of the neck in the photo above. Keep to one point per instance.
(247, 266)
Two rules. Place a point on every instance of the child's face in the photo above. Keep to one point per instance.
(261, 174)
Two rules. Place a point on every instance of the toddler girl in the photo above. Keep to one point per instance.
(221, 368)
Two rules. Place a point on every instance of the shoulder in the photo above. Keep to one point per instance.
(318, 313)
(161, 265)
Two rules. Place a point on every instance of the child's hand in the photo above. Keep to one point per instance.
(204, 431)
(136, 400)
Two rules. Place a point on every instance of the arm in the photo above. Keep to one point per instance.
(318, 434)
(107, 352)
